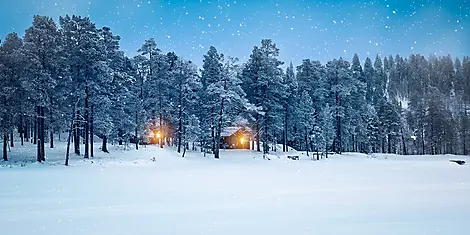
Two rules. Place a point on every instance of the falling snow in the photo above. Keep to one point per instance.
(304, 29)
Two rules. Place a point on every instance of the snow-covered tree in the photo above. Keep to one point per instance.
(262, 79)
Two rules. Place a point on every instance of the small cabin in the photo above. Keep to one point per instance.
(235, 138)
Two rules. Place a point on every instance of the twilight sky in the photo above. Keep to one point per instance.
(319, 30)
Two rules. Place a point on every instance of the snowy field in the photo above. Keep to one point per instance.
(126, 192)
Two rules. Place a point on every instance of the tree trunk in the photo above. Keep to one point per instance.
(286, 131)
(353, 144)
(464, 131)
(212, 130)
(389, 142)
(26, 127)
(86, 122)
(67, 153)
(51, 129)
(258, 147)
(136, 127)
(180, 122)
(21, 137)
(306, 141)
(219, 128)
(184, 151)
(76, 130)
(43, 135)
(326, 150)
(283, 141)
(422, 141)
(21, 128)
(51, 144)
(38, 135)
(104, 146)
(5, 145)
(403, 142)
(338, 125)
(265, 142)
(35, 135)
(383, 144)
(92, 132)
(11, 140)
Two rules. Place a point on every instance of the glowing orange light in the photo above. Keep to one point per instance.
(158, 135)
(242, 140)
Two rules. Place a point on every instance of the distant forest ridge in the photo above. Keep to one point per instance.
(73, 78)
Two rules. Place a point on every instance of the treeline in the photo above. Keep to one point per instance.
(74, 79)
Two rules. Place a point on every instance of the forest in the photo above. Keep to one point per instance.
(71, 81)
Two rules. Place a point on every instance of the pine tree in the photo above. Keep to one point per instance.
(11, 67)
(357, 106)
(183, 97)
(85, 56)
(326, 122)
(305, 113)
(339, 78)
(289, 100)
(211, 73)
(262, 79)
(229, 96)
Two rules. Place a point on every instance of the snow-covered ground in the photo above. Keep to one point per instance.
(126, 192)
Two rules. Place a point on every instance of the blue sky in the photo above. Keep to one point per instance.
(319, 30)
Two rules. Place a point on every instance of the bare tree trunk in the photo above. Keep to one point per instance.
(76, 140)
(51, 144)
(403, 142)
(326, 150)
(283, 141)
(338, 125)
(26, 128)
(219, 129)
(287, 130)
(43, 136)
(213, 130)
(383, 144)
(464, 131)
(104, 147)
(306, 141)
(51, 129)
(35, 135)
(11, 140)
(353, 144)
(180, 119)
(21, 128)
(389, 142)
(92, 132)
(265, 143)
(258, 147)
(422, 141)
(136, 127)
(5, 145)
(86, 115)
(184, 151)
(67, 153)
(38, 135)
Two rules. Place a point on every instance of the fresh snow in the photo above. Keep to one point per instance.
(126, 192)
